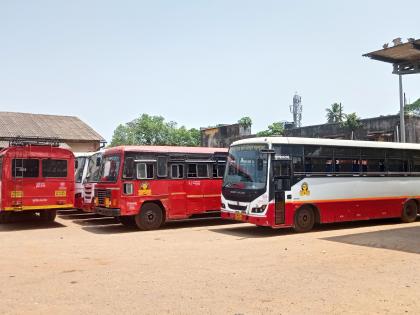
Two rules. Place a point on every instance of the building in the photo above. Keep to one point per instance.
(69, 130)
(382, 128)
(223, 135)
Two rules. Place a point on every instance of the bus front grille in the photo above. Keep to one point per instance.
(237, 207)
(101, 194)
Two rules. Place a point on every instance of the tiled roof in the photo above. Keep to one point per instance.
(46, 126)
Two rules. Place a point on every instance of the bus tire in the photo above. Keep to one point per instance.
(150, 217)
(48, 215)
(304, 219)
(127, 220)
(409, 212)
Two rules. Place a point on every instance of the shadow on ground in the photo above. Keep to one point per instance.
(405, 239)
(251, 231)
(26, 221)
(110, 225)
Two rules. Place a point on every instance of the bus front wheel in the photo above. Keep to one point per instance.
(304, 219)
(48, 215)
(409, 213)
(150, 217)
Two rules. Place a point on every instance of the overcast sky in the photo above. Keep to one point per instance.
(200, 63)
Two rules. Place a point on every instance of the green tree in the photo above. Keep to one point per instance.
(413, 108)
(153, 130)
(335, 113)
(275, 129)
(352, 122)
(245, 122)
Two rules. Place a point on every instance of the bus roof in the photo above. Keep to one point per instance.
(37, 151)
(165, 149)
(328, 142)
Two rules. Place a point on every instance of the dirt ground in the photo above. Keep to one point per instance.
(86, 264)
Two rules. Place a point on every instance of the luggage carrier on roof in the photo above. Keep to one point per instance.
(38, 141)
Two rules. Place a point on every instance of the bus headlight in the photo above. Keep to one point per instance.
(260, 209)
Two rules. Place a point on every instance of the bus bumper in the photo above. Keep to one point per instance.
(262, 221)
(108, 212)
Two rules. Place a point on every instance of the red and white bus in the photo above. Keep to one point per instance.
(89, 182)
(80, 176)
(297, 182)
(148, 185)
(35, 176)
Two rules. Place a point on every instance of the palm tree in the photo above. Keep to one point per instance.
(353, 123)
(335, 113)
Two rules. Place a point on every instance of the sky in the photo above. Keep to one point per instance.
(200, 63)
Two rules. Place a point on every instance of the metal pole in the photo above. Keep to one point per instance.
(402, 123)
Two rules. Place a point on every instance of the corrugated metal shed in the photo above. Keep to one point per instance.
(407, 52)
(46, 126)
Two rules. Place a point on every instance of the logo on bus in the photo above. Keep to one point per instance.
(304, 189)
(145, 189)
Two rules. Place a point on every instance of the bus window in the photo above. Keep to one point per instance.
(218, 170)
(395, 165)
(297, 164)
(80, 166)
(177, 171)
(376, 166)
(192, 170)
(162, 166)
(347, 166)
(202, 170)
(316, 165)
(415, 165)
(25, 168)
(198, 170)
(54, 168)
(145, 171)
(318, 151)
(128, 168)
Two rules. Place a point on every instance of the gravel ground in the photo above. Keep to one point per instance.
(88, 264)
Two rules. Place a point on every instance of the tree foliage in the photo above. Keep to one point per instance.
(352, 122)
(245, 122)
(335, 113)
(275, 129)
(413, 108)
(153, 130)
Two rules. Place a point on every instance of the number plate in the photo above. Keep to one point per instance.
(238, 215)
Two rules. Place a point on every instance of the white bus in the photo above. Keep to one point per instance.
(79, 176)
(92, 177)
(297, 182)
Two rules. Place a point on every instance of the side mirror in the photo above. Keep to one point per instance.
(76, 164)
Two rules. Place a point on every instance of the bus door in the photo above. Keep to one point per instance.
(176, 191)
(282, 182)
(18, 173)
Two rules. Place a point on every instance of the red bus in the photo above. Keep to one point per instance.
(297, 182)
(149, 185)
(36, 176)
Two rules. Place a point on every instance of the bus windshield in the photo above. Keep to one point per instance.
(246, 167)
(94, 168)
(110, 168)
(80, 167)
